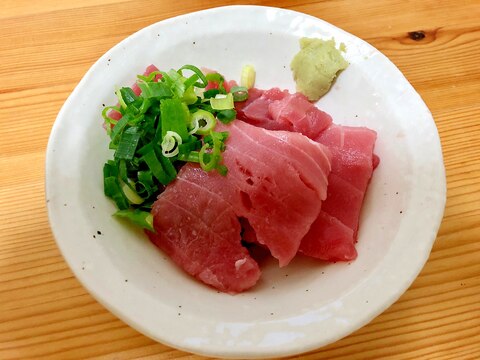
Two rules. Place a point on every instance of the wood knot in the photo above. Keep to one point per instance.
(417, 35)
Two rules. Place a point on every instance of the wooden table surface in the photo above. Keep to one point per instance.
(45, 48)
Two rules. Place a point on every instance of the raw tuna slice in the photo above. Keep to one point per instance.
(359, 139)
(352, 168)
(201, 233)
(299, 114)
(333, 235)
(275, 109)
(277, 181)
(334, 245)
(255, 111)
(352, 150)
(253, 94)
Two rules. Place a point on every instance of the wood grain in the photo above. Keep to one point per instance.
(45, 48)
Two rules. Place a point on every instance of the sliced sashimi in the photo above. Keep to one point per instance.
(312, 163)
(344, 201)
(359, 139)
(256, 111)
(352, 164)
(201, 233)
(269, 185)
(299, 114)
(329, 239)
(352, 167)
(277, 109)
(253, 94)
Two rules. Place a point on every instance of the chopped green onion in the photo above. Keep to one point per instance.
(112, 189)
(217, 79)
(201, 155)
(120, 99)
(150, 77)
(169, 168)
(146, 104)
(220, 136)
(247, 79)
(145, 184)
(191, 81)
(118, 128)
(128, 144)
(209, 161)
(177, 83)
(141, 218)
(227, 116)
(105, 112)
(156, 167)
(197, 72)
(170, 144)
(175, 117)
(122, 170)
(154, 90)
(211, 93)
(110, 169)
(202, 121)
(240, 93)
(194, 126)
(130, 194)
(128, 96)
(189, 146)
(192, 156)
(108, 120)
(222, 102)
(189, 96)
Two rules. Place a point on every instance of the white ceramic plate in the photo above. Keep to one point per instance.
(294, 309)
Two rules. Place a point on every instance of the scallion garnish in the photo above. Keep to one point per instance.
(240, 93)
(202, 122)
(130, 194)
(170, 143)
(226, 116)
(217, 80)
(247, 79)
(108, 121)
(141, 218)
(170, 123)
(222, 102)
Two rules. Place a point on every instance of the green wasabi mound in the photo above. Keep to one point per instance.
(316, 65)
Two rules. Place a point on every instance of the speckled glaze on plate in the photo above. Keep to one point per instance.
(294, 309)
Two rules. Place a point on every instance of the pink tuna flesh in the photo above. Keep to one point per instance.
(276, 182)
(352, 168)
(335, 244)
(299, 114)
(201, 233)
(255, 111)
(352, 165)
